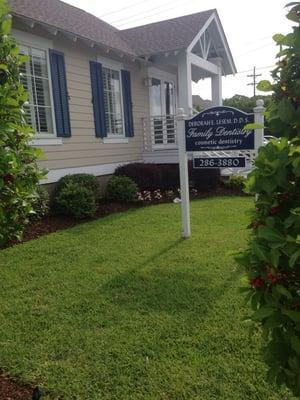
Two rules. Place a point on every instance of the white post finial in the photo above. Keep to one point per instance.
(260, 103)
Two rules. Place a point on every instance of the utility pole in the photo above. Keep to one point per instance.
(254, 76)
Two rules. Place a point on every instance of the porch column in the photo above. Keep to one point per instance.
(185, 99)
(216, 83)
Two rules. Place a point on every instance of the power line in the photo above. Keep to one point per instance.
(254, 76)
(129, 21)
(124, 8)
(259, 68)
(257, 48)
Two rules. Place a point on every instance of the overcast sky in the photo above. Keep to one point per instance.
(249, 27)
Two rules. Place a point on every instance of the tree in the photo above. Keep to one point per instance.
(245, 103)
(272, 258)
(19, 173)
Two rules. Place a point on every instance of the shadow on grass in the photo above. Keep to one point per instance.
(157, 286)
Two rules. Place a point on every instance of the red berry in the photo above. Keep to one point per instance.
(257, 282)
(274, 210)
(272, 278)
(8, 178)
(284, 196)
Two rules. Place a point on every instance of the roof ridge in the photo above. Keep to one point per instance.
(169, 20)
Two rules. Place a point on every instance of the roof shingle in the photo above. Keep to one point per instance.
(71, 19)
(172, 34)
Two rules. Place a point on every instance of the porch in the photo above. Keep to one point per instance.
(170, 79)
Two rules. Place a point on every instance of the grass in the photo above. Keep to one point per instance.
(121, 308)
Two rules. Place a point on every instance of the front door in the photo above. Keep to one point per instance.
(162, 111)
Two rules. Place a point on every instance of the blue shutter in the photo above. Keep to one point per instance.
(60, 93)
(127, 103)
(98, 98)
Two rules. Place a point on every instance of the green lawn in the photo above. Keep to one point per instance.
(121, 308)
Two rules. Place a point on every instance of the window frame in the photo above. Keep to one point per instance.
(116, 66)
(42, 44)
(162, 76)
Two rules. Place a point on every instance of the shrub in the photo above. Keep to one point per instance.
(41, 204)
(236, 182)
(146, 176)
(19, 173)
(272, 259)
(87, 181)
(166, 176)
(76, 201)
(204, 179)
(121, 188)
(169, 176)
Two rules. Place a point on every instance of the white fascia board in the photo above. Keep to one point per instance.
(215, 17)
(200, 33)
(225, 44)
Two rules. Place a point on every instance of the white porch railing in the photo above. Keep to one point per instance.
(160, 132)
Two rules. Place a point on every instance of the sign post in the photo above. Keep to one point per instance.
(259, 111)
(213, 130)
(184, 175)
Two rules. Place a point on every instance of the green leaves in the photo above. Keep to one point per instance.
(19, 172)
(269, 234)
(263, 313)
(265, 86)
(286, 110)
(273, 251)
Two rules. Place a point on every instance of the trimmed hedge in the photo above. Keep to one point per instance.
(121, 188)
(88, 181)
(76, 195)
(235, 182)
(146, 176)
(166, 176)
(76, 201)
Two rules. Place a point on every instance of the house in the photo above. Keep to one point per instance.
(100, 97)
(201, 104)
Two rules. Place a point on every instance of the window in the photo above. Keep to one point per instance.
(155, 97)
(113, 102)
(35, 79)
(162, 110)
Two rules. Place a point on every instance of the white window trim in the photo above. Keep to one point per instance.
(27, 39)
(117, 66)
(47, 141)
(118, 139)
(162, 76)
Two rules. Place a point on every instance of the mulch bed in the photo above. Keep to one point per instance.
(10, 389)
(54, 223)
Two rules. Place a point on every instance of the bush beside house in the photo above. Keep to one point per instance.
(166, 176)
(19, 173)
(77, 196)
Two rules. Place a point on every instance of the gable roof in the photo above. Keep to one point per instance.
(67, 18)
(168, 35)
(164, 36)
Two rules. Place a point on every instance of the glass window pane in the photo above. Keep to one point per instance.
(34, 77)
(169, 95)
(112, 101)
(155, 96)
